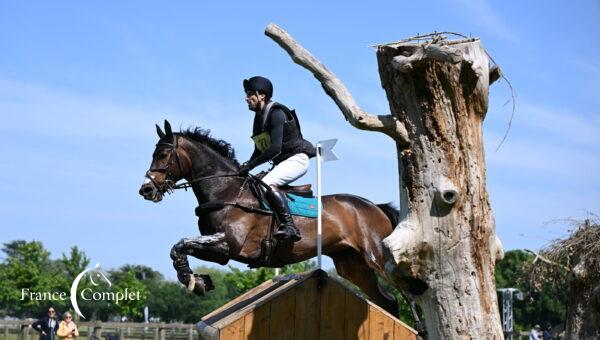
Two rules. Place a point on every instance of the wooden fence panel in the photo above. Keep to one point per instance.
(282, 316)
(257, 323)
(333, 302)
(308, 301)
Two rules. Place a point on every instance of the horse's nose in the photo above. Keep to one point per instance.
(146, 190)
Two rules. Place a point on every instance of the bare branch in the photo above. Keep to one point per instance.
(360, 119)
(545, 260)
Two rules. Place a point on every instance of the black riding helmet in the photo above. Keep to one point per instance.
(260, 84)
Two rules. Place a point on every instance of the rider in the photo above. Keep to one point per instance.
(277, 138)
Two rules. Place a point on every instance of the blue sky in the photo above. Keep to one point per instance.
(82, 84)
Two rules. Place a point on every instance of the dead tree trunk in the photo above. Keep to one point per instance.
(438, 96)
(583, 308)
(446, 236)
(574, 263)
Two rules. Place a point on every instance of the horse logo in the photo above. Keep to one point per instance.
(96, 275)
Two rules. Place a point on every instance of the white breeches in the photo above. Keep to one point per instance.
(287, 171)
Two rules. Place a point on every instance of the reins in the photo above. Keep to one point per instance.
(188, 184)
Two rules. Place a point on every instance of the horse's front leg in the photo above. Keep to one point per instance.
(212, 248)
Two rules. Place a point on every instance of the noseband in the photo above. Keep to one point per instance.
(169, 184)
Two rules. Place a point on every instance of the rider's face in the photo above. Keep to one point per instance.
(255, 100)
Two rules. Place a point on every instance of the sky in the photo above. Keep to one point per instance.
(82, 85)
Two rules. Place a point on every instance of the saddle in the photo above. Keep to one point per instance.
(269, 246)
(304, 190)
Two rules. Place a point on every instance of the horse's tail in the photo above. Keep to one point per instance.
(392, 213)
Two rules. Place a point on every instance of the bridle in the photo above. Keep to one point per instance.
(170, 183)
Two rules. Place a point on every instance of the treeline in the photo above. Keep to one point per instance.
(28, 265)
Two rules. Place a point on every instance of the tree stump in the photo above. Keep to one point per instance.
(446, 237)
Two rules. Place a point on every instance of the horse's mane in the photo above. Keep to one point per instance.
(219, 146)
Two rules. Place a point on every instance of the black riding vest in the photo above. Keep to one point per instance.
(293, 142)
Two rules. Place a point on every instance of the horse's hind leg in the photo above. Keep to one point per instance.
(212, 248)
(351, 266)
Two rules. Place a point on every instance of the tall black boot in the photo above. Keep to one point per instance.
(286, 229)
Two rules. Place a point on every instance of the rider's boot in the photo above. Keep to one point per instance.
(286, 229)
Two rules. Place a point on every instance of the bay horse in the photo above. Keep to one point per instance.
(353, 227)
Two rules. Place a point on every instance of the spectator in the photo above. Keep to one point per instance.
(547, 332)
(47, 325)
(535, 333)
(67, 328)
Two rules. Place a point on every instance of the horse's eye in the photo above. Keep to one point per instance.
(161, 154)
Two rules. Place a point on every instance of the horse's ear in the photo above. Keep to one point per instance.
(160, 132)
(168, 130)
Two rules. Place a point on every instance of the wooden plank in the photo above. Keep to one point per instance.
(357, 317)
(308, 301)
(381, 326)
(384, 312)
(253, 299)
(283, 310)
(234, 331)
(257, 323)
(333, 302)
(401, 332)
(25, 332)
(233, 315)
(240, 298)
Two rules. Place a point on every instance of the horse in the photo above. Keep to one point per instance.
(235, 227)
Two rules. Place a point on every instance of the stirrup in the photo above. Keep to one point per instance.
(288, 233)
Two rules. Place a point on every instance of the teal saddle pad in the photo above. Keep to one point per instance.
(299, 206)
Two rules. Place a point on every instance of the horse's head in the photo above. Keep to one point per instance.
(168, 165)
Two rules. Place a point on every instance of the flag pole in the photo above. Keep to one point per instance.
(319, 208)
(324, 154)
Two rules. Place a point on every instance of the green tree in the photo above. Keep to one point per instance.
(131, 308)
(537, 307)
(27, 267)
(241, 281)
(75, 263)
(141, 272)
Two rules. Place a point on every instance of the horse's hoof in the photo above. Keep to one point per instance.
(208, 283)
(196, 285)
